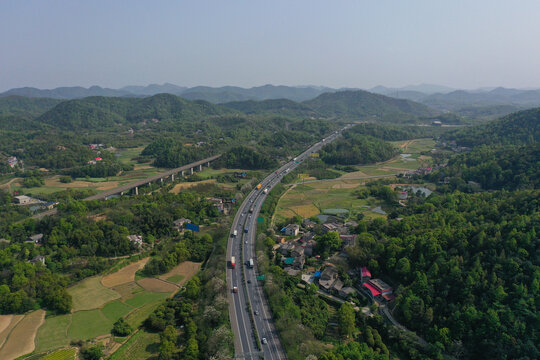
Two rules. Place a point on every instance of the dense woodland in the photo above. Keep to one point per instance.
(356, 149)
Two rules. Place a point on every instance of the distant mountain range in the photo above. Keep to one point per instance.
(479, 103)
(214, 95)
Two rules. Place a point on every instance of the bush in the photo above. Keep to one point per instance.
(92, 352)
(66, 179)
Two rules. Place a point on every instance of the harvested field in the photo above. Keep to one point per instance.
(124, 275)
(157, 285)
(13, 321)
(145, 298)
(5, 320)
(21, 339)
(186, 185)
(53, 334)
(353, 174)
(128, 290)
(91, 294)
(186, 269)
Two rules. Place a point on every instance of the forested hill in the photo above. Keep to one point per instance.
(95, 112)
(361, 104)
(24, 107)
(519, 128)
(278, 106)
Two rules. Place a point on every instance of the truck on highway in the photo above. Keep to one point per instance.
(251, 209)
(234, 233)
(233, 262)
(250, 263)
(235, 289)
(265, 191)
(259, 186)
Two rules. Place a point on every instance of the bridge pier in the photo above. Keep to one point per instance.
(200, 167)
(191, 171)
(172, 177)
(161, 180)
(136, 189)
(208, 164)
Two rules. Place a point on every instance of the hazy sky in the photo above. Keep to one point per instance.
(356, 43)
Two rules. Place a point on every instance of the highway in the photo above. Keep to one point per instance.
(250, 302)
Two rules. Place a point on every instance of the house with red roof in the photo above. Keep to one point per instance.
(378, 288)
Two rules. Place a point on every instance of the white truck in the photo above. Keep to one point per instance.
(234, 233)
(265, 191)
(251, 263)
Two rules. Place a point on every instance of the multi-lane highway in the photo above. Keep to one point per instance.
(248, 301)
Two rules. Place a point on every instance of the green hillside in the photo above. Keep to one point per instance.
(363, 105)
(518, 128)
(25, 107)
(275, 106)
(95, 112)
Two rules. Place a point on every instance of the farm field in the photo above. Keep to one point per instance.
(64, 354)
(141, 346)
(313, 198)
(91, 294)
(182, 272)
(124, 275)
(20, 339)
(96, 308)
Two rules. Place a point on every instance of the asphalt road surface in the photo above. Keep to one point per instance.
(250, 302)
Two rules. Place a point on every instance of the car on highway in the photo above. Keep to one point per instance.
(256, 312)
(264, 341)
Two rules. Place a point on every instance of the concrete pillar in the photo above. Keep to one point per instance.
(200, 167)
(161, 180)
(191, 171)
(136, 190)
(122, 193)
(182, 173)
(172, 177)
(208, 164)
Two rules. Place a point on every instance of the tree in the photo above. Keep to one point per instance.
(121, 328)
(93, 352)
(346, 320)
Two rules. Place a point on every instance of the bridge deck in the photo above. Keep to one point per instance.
(148, 180)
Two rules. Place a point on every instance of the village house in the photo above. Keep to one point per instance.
(309, 224)
(297, 251)
(309, 247)
(38, 259)
(286, 248)
(346, 292)
(136, 240)
(179, 224)
(348, 240)
(328, 278)
(24, 200)
(50, 205)
(12, 161)
(291, 230)
(377, 288)
(36, 239)
(329, 227)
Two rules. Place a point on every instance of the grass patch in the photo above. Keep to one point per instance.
(175, 278)
(143, 345)
(53, 334)
(145, 298)
(64, 354)
(88, 325)
(115, 310)
(137, 317)
(91, 294)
